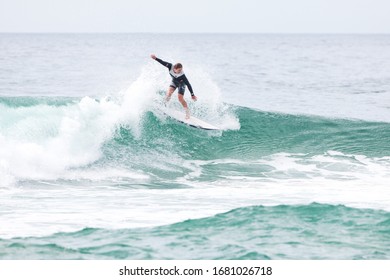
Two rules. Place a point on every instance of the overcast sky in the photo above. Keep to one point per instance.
(259, 16)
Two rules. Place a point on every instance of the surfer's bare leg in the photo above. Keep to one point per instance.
(185, 106)
(169, 94)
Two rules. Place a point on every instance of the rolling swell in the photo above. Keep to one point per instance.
(257, 232)
(31, 101)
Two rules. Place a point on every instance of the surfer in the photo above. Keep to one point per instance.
(180, 81)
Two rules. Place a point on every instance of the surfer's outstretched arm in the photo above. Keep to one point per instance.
(162, 62)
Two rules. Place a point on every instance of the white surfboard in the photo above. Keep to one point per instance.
(192, 121)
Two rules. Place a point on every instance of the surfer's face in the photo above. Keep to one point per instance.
(177, 70)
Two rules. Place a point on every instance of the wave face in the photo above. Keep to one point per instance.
(258, 232)
(42, 138)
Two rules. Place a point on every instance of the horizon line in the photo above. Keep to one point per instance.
(196, 33)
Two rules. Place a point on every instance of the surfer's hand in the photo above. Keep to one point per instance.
(153, 56)
(194, 98)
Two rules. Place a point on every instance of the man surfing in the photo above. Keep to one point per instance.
(180, 81)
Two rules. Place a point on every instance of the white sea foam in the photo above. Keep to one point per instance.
(43, 142)
(62, 138)
(294, 179)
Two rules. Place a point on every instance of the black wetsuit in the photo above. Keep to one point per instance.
(178, 80)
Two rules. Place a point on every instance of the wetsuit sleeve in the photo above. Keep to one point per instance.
(188, 84)
(166, 64)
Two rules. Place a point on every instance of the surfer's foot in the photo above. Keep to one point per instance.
(187, 114)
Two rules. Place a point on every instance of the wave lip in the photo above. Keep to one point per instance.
(42, 141)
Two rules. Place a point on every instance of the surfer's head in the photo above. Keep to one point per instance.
(177, 68)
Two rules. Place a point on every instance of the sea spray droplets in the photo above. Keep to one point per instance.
(81, 130)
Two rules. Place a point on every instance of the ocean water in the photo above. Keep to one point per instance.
(91, 169)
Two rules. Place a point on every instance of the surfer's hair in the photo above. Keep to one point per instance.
(177, 66)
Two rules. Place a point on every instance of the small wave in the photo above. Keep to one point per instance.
(257, 232)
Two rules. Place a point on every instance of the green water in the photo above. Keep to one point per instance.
(315, 231)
